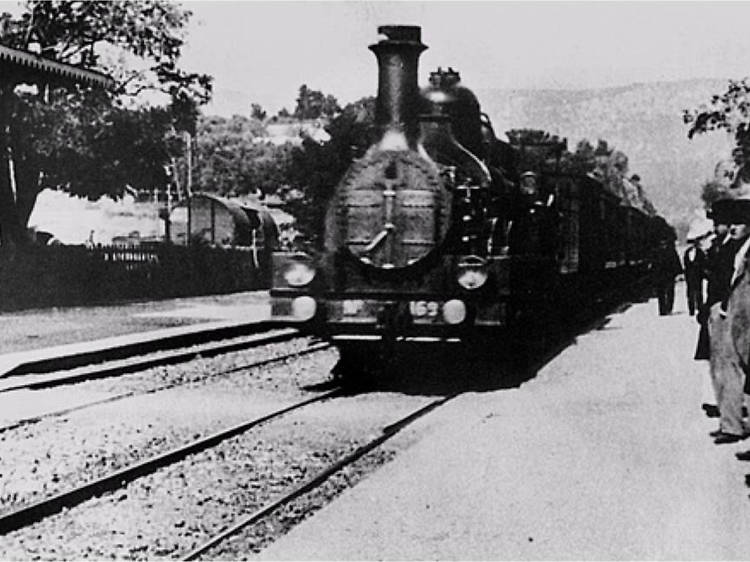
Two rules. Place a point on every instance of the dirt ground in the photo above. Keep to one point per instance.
(49, 327)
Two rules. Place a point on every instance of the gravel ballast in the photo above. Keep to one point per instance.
(24, 404)
(177, 508)
(58, 453)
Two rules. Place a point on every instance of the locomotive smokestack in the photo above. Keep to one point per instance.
(397, 107)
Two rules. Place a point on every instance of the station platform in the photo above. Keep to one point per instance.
(35, 338)
(604, 455)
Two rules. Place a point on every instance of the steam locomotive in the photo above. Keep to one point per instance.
(438, 235)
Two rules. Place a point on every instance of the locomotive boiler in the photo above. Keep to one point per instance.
(436, 236)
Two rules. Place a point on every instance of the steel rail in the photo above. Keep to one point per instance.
(124, 366)
(36, 419)
(387, 433)
(35, 512)
(122, 348)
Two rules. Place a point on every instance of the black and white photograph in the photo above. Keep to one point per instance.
(374, 280)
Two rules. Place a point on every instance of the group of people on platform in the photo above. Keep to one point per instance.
(724, 314)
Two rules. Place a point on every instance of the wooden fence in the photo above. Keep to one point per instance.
(75, 275)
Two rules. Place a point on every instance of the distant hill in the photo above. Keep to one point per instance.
(227, 103)
(642, 120)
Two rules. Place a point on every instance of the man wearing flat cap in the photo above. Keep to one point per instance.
(729, 322)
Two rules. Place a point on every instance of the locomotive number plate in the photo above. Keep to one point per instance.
(424, 309)
(352, 307)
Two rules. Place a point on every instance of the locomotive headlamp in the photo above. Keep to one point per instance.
(472, 272)
(303, 308)
(299, 273)
(454, 311)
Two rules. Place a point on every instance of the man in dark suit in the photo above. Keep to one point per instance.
(694, 262)
(728, 318)
(665, 268)
(718, 272)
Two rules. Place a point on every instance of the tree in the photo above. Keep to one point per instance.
(531, 137)
(583, 160)
(232, 158)
(542, 151)
(75, 139)
(539, 149)
(615, 170)
(313, 104)
(257, 112)
(316, 168)
(730, 112)
(130, 148)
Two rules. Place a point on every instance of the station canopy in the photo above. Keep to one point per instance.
(17, 66)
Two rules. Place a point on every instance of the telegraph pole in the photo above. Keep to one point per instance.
(189, 159)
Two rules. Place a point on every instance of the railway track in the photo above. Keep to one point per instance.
(106, 371)
(23, 519)
(112, 368)
(117, 368)
(122, 347)
(388, 432)
(212, 548)
(37, 511)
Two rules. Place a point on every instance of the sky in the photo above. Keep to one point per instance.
(261, 52)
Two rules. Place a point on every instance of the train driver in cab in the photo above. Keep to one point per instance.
(533, 227)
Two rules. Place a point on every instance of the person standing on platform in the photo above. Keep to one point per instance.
(724, 318)
(665, 268)
(694, 261)
(718, 272)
